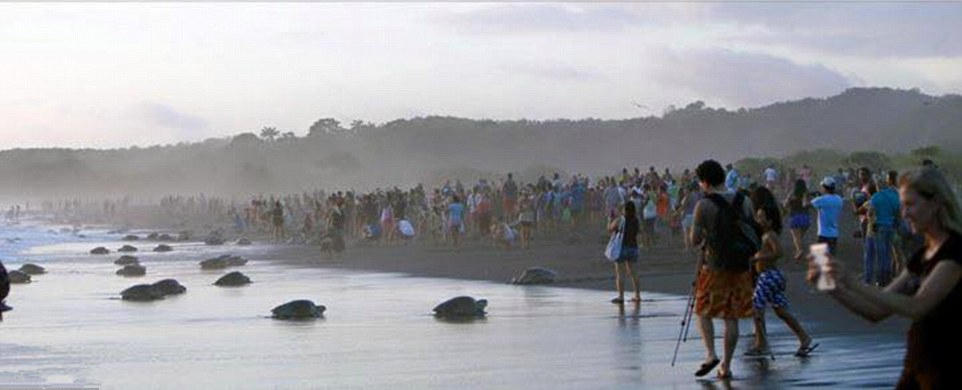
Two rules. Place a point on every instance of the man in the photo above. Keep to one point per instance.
(771, 176)
(885, 204)
(829, 207)
(613, 198)
(731, 178)
(721, 291)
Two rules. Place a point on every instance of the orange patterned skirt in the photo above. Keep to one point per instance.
(724, 294)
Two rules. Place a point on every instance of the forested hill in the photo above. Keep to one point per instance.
(364, 155)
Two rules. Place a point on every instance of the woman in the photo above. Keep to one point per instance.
(629, 251)
(798, 218)
(456, 220)
(526, 220)
(928, 289)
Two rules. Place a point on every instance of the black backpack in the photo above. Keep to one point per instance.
(735, 239)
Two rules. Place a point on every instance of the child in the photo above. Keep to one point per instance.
(770, 285)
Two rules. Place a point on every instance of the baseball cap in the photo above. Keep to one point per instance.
(828, 182)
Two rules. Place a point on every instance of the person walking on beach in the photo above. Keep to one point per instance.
(723, 286)
(829, 207)
(770, 283)
(628, 256)
(277, 219)
(928, 291)
(884, 207)
(799, 219)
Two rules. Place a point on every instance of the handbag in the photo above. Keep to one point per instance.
(613, 250)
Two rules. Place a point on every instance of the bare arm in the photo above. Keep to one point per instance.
(934, 289)
(698, 225)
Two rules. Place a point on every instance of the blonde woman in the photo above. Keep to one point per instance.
(928, 291)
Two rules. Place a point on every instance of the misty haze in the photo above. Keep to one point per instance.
(438, 195)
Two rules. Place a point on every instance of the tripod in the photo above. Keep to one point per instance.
(685, 320)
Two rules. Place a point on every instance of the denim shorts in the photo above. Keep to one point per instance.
(628, 255)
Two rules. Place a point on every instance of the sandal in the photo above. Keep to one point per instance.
(755, 351)
(707, 367)
(805, 350)
(635, 300)
(4, 307)
(618, 301)
(724, 375)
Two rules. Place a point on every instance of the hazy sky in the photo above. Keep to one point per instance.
(109, 75)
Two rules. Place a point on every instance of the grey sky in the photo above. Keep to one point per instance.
(105, 75)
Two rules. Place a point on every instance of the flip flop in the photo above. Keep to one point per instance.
(804, 351)
(4, 307)
(725, 376)
(707, 367)
(757, 352)
(618, 301)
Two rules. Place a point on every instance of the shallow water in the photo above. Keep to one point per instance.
(70, 329)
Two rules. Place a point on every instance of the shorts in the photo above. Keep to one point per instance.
(724, 294)
(831, 241)
(770, 290)
(687, 221)
(799, 221)
(628, 255)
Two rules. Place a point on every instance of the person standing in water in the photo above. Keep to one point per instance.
(628, 256)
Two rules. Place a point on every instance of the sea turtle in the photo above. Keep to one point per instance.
(163, 248)
(243, 241)
(132, 270)
(99, 251)
(127, 248)
(299, 309)
(233, 279)
(165, 237)
(142, 292)
(17, 277)
(170, 287)
(461, 307)
(32, 269)
(223, 261)
(536, 275)
(130, 237)
(127, 260)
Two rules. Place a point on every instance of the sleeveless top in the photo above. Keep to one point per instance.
(934, 341)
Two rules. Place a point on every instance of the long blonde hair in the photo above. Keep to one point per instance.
(931, 184)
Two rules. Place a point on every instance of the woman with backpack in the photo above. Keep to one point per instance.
(629, 226)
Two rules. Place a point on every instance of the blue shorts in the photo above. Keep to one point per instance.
(769, 290)
(799, 221)
(628, 255)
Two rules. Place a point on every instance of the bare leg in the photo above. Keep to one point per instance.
(803, 338)
(797, 240)
(618, 286)
(634, 282)
(708, 337)
(761, 341)
(731, 340)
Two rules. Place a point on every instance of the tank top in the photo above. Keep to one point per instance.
(934, 341)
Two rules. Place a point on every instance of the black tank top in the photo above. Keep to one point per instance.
(934, 341)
